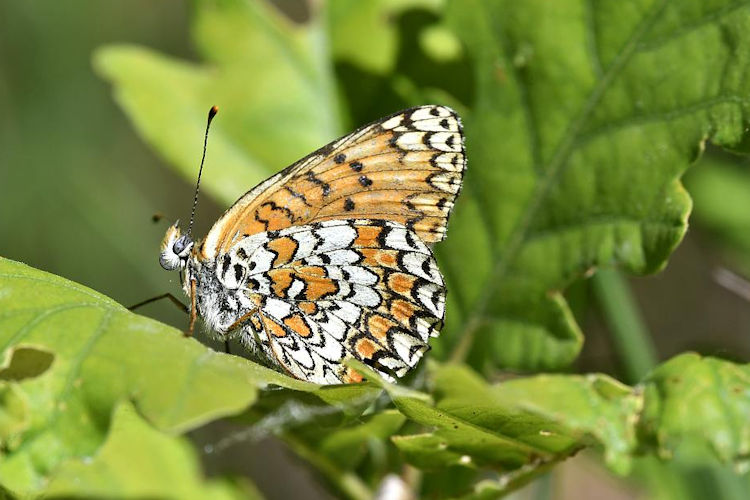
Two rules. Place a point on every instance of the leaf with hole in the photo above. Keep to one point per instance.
(101, 355)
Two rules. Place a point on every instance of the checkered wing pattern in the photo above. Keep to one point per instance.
(406, 168)
(362, 288)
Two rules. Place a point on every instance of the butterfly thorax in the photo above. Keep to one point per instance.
(219, 302)
(220, 306)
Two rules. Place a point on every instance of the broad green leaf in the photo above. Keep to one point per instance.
(271, 79)
(586, 115)
(102, 353)
(137, 461)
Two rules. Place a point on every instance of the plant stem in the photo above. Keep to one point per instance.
(346, 482)
(461, 351)
(631, 337)
(543, 489)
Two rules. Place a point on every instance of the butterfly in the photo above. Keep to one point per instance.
(331, 257)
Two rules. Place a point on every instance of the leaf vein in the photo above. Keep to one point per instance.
(600, 220)
(84, 291)
(685, 29)
(592, 38)
(672, 114)
(22, 332)
(556, 165)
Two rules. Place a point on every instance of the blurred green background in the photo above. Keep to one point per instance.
(78, 188)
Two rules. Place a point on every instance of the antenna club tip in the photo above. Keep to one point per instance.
(212, 112)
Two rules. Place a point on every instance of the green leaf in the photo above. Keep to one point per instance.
(14, 414)
(348, 444)
(696, 405)
(137, 461)
(690, 407)
(271, 79)
(103, 354)
(594, 408)
(471, 428)
(689, 403)
(364, 32)
(586, 115)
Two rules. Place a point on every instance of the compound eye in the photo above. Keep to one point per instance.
(180, 245)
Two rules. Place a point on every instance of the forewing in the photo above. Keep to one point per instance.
(364, 289)
(407, 168)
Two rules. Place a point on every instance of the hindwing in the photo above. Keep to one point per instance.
(363, 289)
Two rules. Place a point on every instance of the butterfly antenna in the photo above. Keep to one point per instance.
(211, 113)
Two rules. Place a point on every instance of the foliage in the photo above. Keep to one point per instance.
(139, 461)
(580, 119)
(58, 413)
(72, 355)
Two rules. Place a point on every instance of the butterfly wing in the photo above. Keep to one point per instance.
(407, 168)
(363, 289)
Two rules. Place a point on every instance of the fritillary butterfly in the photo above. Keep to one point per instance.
(329, 259)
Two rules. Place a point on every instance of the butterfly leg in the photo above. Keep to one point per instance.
(241, 320)
(174, 300)
(193, 310)
(237, 324)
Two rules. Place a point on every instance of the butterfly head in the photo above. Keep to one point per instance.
(175, 249)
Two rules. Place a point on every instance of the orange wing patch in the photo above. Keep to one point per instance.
(308, 308)
(281, 281)
(312, 283)
(379, 326)
(274, 328)
(284, 249)
(375, 257)
(367, 236)
(401, 283)
(351, 376)
(366, 348)
(402, 310)
(298, 324)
